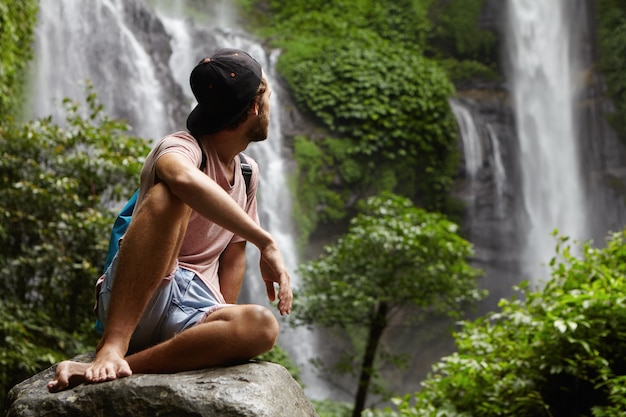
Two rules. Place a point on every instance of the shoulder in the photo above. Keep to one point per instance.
(182, 143)
(179, 139)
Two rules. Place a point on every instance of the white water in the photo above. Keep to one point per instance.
(543, 68)
(78, 41)
(75, 43)
(481, 151)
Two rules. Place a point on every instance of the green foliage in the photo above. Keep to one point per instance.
(356, 67)
(402, 21)
(393, 256)
(55, 226)
(456, 33)
(56, 184)
(279, 356)
(30, 341)
(388, 102)
(462, 48)
(17, 21)
(316, 200)
(557, 352)
(465, 71)
(332, 409)
(612, 47)
(393, 253)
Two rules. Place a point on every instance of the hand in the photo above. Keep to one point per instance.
(273, 270)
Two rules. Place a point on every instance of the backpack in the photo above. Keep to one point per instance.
(123, 219)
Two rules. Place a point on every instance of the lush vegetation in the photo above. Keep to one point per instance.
(394, 256)
(17, 19)
(370, 75)
(612, 48)
(56, 186)
(555, 352)
(376, 78)
(465, 50)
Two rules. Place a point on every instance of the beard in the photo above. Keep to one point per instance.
(259, 130)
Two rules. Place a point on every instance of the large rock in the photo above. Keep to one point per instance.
(254, 389)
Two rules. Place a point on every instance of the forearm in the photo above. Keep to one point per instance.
(208, 199)
(231, 271)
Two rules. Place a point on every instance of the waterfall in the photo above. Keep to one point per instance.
(75, 44)
(543, 68)
(144, 78)
(483, 160)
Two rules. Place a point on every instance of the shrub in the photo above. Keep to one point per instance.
(554, 352)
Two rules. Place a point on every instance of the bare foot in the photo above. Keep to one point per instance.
(107, 366)
(68, 374)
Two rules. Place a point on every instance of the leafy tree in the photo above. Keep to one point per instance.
(56, 183)
(393, 256)
(556, 352)
(58, 186)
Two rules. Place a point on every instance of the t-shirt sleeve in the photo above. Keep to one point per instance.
(180, 143)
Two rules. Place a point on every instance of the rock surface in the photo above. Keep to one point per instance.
(254, 389)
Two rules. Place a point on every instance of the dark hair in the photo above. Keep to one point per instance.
(258, 100)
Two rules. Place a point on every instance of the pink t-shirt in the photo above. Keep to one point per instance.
(205, 241)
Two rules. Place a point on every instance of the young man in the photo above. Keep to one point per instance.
(167, 301)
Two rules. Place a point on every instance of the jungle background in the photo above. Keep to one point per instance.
(57, 180)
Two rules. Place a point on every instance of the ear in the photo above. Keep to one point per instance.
(254, 109)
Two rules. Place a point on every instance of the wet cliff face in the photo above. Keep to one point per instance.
(495, 219)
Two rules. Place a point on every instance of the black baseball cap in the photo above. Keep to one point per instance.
(224, 85)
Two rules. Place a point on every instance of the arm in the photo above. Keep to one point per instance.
(231, 270)
(207, 198)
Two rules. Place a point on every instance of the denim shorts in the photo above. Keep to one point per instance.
(181, 301)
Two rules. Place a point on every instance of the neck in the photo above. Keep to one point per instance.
(227, 145)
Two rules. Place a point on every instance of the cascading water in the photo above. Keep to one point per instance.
(481, 148)
(75, 44)
(146, 83)
(543, 67)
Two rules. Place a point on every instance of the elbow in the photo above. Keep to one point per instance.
(181, 184)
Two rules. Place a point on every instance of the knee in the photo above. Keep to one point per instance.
(261, 326)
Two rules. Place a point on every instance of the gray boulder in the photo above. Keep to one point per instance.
(254, 389)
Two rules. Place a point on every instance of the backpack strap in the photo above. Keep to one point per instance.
(246, 170)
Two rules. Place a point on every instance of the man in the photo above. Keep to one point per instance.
(167, 301)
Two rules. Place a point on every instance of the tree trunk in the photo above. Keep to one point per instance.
(377, 327)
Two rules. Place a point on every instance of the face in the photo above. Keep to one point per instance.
(259, 129)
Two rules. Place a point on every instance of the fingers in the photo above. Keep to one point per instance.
(285, 295)
(273, 270)
(285, 302)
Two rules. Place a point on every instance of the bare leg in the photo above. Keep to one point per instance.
(230, 335)
(148, 253)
